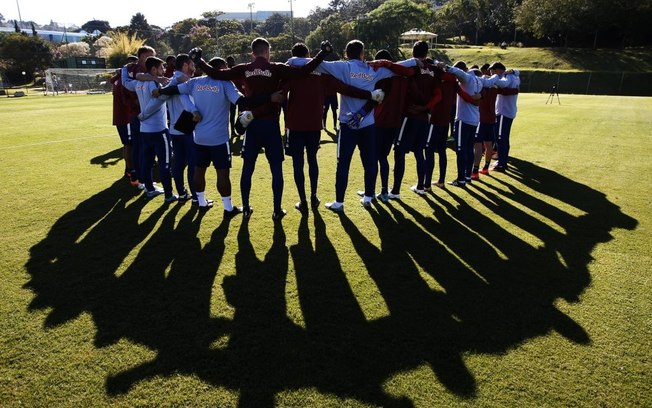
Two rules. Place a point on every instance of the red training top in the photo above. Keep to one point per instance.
(389, 114)
(121, 112)
(262, 77)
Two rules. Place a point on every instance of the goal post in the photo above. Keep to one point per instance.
(78, 80)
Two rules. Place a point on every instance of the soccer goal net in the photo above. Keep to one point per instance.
(71, 80)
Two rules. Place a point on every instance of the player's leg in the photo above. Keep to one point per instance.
(468, 133)
(136, 148)
(312, 146)
(147, 153)
(202, 161)
(221, 158)
(504, 130)
(334, 107)
(489, 140)
(346, 142)
(179, 163)
(477, 150)
(273, 144)
(367, 146)
(401, 147)
(385, 140)
(295, 148)
(123, 132)
(458, 136)
(440, 137)
(190, 158)
(418, 148)
(251, 144)
(163, 149)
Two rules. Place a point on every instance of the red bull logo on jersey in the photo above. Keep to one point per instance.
(258, 72)
(207, 88)
(362, 75)
(425, 71)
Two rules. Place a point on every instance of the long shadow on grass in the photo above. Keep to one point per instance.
(454, 281)
(109, 159)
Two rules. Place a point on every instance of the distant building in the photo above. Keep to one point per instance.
(81, 62)
(52, 36)
(256, 16)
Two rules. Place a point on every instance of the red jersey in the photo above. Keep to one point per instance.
(121, 112)
(440, 114)
(306, 101)
(262, 77)
(421, 89)
(130, 97)
(389, 114)
(488, 105)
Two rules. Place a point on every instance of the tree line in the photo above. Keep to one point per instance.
(560, 23)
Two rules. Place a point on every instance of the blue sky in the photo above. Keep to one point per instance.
(119, 12)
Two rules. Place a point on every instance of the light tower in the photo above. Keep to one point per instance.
(251, 15)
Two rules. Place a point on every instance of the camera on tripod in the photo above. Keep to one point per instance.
(553, 92)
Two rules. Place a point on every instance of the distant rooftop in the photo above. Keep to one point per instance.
(256, 16)
(52, 36)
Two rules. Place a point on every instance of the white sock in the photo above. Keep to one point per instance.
(228, 206)
(366, 199)
(201, 198)
(337, 204)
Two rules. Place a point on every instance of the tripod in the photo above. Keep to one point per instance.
(551, 97)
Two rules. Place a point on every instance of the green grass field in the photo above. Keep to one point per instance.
(530, 288)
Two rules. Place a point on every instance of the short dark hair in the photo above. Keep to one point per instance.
(152, 62)
(497, 65)
(144, 49)
(170, 58)
(180, 60)
(217, 62)
(420, 49)
(383, 54)
(484, 67)
(132, 58)
(353, 49)
(300, 50)
(474, 66)
(230, 58)
(476, 71)
(461, 65)
(258, 45)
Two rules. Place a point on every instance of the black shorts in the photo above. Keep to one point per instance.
(263, 133)
(124, 131)
(412, 136)
(219, 155)
(296, 141)
(330, 101)
(486, 132)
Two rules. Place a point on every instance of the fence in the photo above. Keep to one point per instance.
(590, 83)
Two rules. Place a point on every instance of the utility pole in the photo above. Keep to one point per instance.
(20, 18)
(291, 20)
(251, 16)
